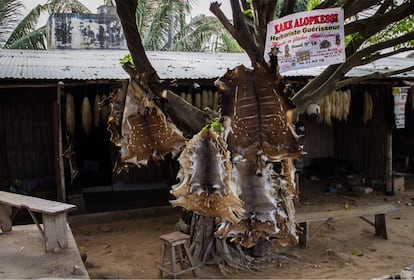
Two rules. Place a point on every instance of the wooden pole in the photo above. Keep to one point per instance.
(59, 165)
(389, 189)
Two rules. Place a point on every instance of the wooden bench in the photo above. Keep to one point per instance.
(54, 214)
(379, 211)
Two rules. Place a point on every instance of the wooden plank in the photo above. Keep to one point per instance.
(344, 213)
(34, 203)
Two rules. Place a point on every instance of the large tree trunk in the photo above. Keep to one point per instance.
(242, 204)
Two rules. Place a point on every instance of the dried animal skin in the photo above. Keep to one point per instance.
(268, 203)
(86, 115)
(368, 106)
(206, 185)
(117, 106)
(70, 154)
(257, 117)
(146, 132)
(70, 115)
(336, 105)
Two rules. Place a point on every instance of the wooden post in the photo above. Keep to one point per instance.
(59, 165)
(389, 190)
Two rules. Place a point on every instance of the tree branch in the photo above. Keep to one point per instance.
(288, 7)
(126, 11)
(241, 35)
(355, 59)
(383, 55)
(351, 7)
(263, 14)
(376, 75)
(369, 26)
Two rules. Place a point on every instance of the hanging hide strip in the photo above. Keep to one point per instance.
(116, 105)
(70, 154)
(86, 116)
(336, 105)
(368, 107)
(70, 115)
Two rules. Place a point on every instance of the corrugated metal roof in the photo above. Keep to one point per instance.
(104, 64)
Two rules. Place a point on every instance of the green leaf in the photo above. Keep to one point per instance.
(126, 59)
(216, 125)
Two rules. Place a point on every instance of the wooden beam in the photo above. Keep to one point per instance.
(388, 164)
(59, 165)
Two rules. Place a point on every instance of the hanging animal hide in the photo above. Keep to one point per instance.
(70, 115)
(368, 107)
(70, 154)
(147, 134)
(116, 105)
(268, 204)
(335, 105)
(257, 118)
(86, 116)
(206, 185)
(259, 130)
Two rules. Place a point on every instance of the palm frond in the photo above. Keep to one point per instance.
(66, 6)
(205, 34)
(10, 14)
(157, 33)
(26, 25)
(10, 10)
(35, 40)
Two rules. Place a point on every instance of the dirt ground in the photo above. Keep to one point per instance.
(345, 248)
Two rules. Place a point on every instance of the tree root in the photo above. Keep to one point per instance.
(229, 258)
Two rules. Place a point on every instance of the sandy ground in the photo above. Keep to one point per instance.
(345, 248)
(23, 256)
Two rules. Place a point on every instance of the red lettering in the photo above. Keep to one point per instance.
(280, 27)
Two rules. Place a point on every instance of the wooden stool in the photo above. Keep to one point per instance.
(173, 240)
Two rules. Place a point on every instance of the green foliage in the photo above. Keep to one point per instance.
(25, 34)
(352, 37)
(312, 4)
(163, 27)
(249, 12)
(216, 125)
(126, 59)
(204, 34)
(31, 41)
(10, 14)
(394, 30)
